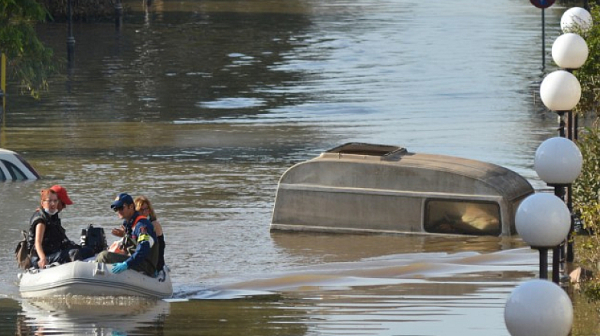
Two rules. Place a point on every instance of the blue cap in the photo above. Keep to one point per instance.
(121, 200)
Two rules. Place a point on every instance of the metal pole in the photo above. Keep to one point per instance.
(1, 106)
(558, 251)
(575, 126)
(570, 243)
(70, 38)
(3, 79)
(556, 256)
(543, 262)
(561, 123)
(571, 135)
(3, 85)
(569, 125)
(118, 14)
(543, 39)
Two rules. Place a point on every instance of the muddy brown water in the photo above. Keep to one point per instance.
(202, 105)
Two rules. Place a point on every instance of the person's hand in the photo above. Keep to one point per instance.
(119, 267)
(119, 232)
(42, 263)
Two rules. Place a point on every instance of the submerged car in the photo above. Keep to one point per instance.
(14, 167)
(369, 188)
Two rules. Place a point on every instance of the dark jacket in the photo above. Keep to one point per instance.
(140, 243)
(55, 237)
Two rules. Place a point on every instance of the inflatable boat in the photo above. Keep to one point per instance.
(92, 279)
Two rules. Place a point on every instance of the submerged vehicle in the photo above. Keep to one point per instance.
(92, 279)
(370, 188)
(14, 167)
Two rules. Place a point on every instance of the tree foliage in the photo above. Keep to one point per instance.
(82, 10)
(586, 191)
(29, 61)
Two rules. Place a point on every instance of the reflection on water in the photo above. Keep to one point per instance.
(202, 105)
(332, 248)
(85, 316)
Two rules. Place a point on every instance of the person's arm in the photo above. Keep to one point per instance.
(157, 228)
(40, 229)
(119, 232)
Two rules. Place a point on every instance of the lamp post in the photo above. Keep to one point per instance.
(569, 51)
(538, 308)
(70, 38)
(543, 221)
(118, 14)
(558, 162)
(572, 51)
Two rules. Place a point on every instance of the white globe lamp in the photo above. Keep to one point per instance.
(570, 51)
(538, 308)
(558, 161)
(576, 19)
(560, 91)
(543, 220)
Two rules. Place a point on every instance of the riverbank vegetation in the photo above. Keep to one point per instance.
(82, 10)
(28, 61)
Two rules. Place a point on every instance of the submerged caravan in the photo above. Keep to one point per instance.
(371, 188)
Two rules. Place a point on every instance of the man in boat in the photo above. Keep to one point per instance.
(139, 240)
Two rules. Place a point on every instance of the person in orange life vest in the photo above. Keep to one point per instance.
(140, 240)
(145, 208)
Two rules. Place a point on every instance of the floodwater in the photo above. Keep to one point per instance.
(202, 105)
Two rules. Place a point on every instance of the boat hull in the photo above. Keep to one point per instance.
(91, 279)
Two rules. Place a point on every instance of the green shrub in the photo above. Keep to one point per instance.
(585, 199)
(82, 10)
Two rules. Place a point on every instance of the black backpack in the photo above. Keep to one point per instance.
(94, 238)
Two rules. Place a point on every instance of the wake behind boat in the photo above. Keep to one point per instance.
(92, 279)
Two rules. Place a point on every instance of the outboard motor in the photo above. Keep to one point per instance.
(94, 238)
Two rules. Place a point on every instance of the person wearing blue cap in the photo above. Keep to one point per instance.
(139, 240)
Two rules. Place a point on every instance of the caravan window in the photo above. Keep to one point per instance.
(462, 217)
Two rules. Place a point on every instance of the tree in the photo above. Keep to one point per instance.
(29, 62)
